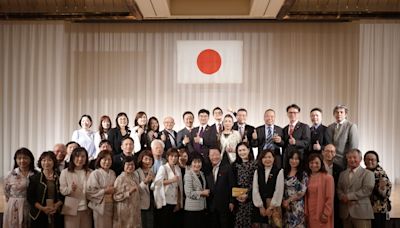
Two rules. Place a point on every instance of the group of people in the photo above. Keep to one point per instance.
(229, 174)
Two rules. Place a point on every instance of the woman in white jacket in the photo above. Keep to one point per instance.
(168, 190)
(72, 185)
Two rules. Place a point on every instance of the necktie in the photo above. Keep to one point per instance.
(268, 140)
(220, 128)
(291, 129)
(241, 131)
(201, 132)
(197, 146)
(337, 132)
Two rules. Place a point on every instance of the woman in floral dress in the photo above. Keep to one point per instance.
(15, 186)
(295, 189)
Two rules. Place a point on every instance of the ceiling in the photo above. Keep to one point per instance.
(147, 10)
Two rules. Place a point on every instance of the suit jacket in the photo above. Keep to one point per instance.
(211, 138)
(301, 134)
(317, 135)
(115, 137)
(221, 190)
(358, 191)
(193, 187)
(260, 141)
(203, 148)
(167, 142)
(248, 131)
(345, 139)
(179, 138)
(37, 193)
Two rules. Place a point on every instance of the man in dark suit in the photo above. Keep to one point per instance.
(328, 154)
(127, 146)
(211, 136)
(183, 137)
(269, 136)
(168, 135)
(296, 134)
(220, 181)
(317, 130)
(197, 139)
(240, 125)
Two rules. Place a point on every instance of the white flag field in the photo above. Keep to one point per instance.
(209, 61)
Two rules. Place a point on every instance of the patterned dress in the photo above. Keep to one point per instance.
(127, 206)
(295, 190)
(16, 213)
(244, 173)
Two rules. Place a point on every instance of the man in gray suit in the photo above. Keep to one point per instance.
(354, 190)
(342, 134)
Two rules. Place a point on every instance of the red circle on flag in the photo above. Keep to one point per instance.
(209, 61)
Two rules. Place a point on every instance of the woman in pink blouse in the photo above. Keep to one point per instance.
(320, 193)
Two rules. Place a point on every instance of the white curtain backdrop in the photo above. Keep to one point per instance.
(379, 84)
(53, 72)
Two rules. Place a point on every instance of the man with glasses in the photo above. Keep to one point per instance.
(296, 135)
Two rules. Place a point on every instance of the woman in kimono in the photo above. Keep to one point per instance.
(84, 136)
(44, 194)
(16, 213)
(145, 177)
(99, 190)
(72, 185)
(127, 198)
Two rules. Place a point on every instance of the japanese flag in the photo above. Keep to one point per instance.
(209, 61)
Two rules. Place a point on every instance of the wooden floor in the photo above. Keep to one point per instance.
(395, 198)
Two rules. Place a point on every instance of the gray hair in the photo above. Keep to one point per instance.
(155, 141)
(346, 109)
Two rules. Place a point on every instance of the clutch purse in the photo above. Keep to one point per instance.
(238, 191)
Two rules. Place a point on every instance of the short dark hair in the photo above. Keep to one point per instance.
(72, 142)
(88, 116)
(187, 113)
(52, 156)
(293, 106)
(142, 155)
(172, 151)
(262, 155)
(120, 115)
(25, 152)
(195, 157)
(316, 109)
(102, 155)
(269, 110)
(372, 152)
(104, 141)
(241, 110)
(76, 152)
(217, 108)
(313, 156)
(128, 159)
(203, 111)
(127, 137)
